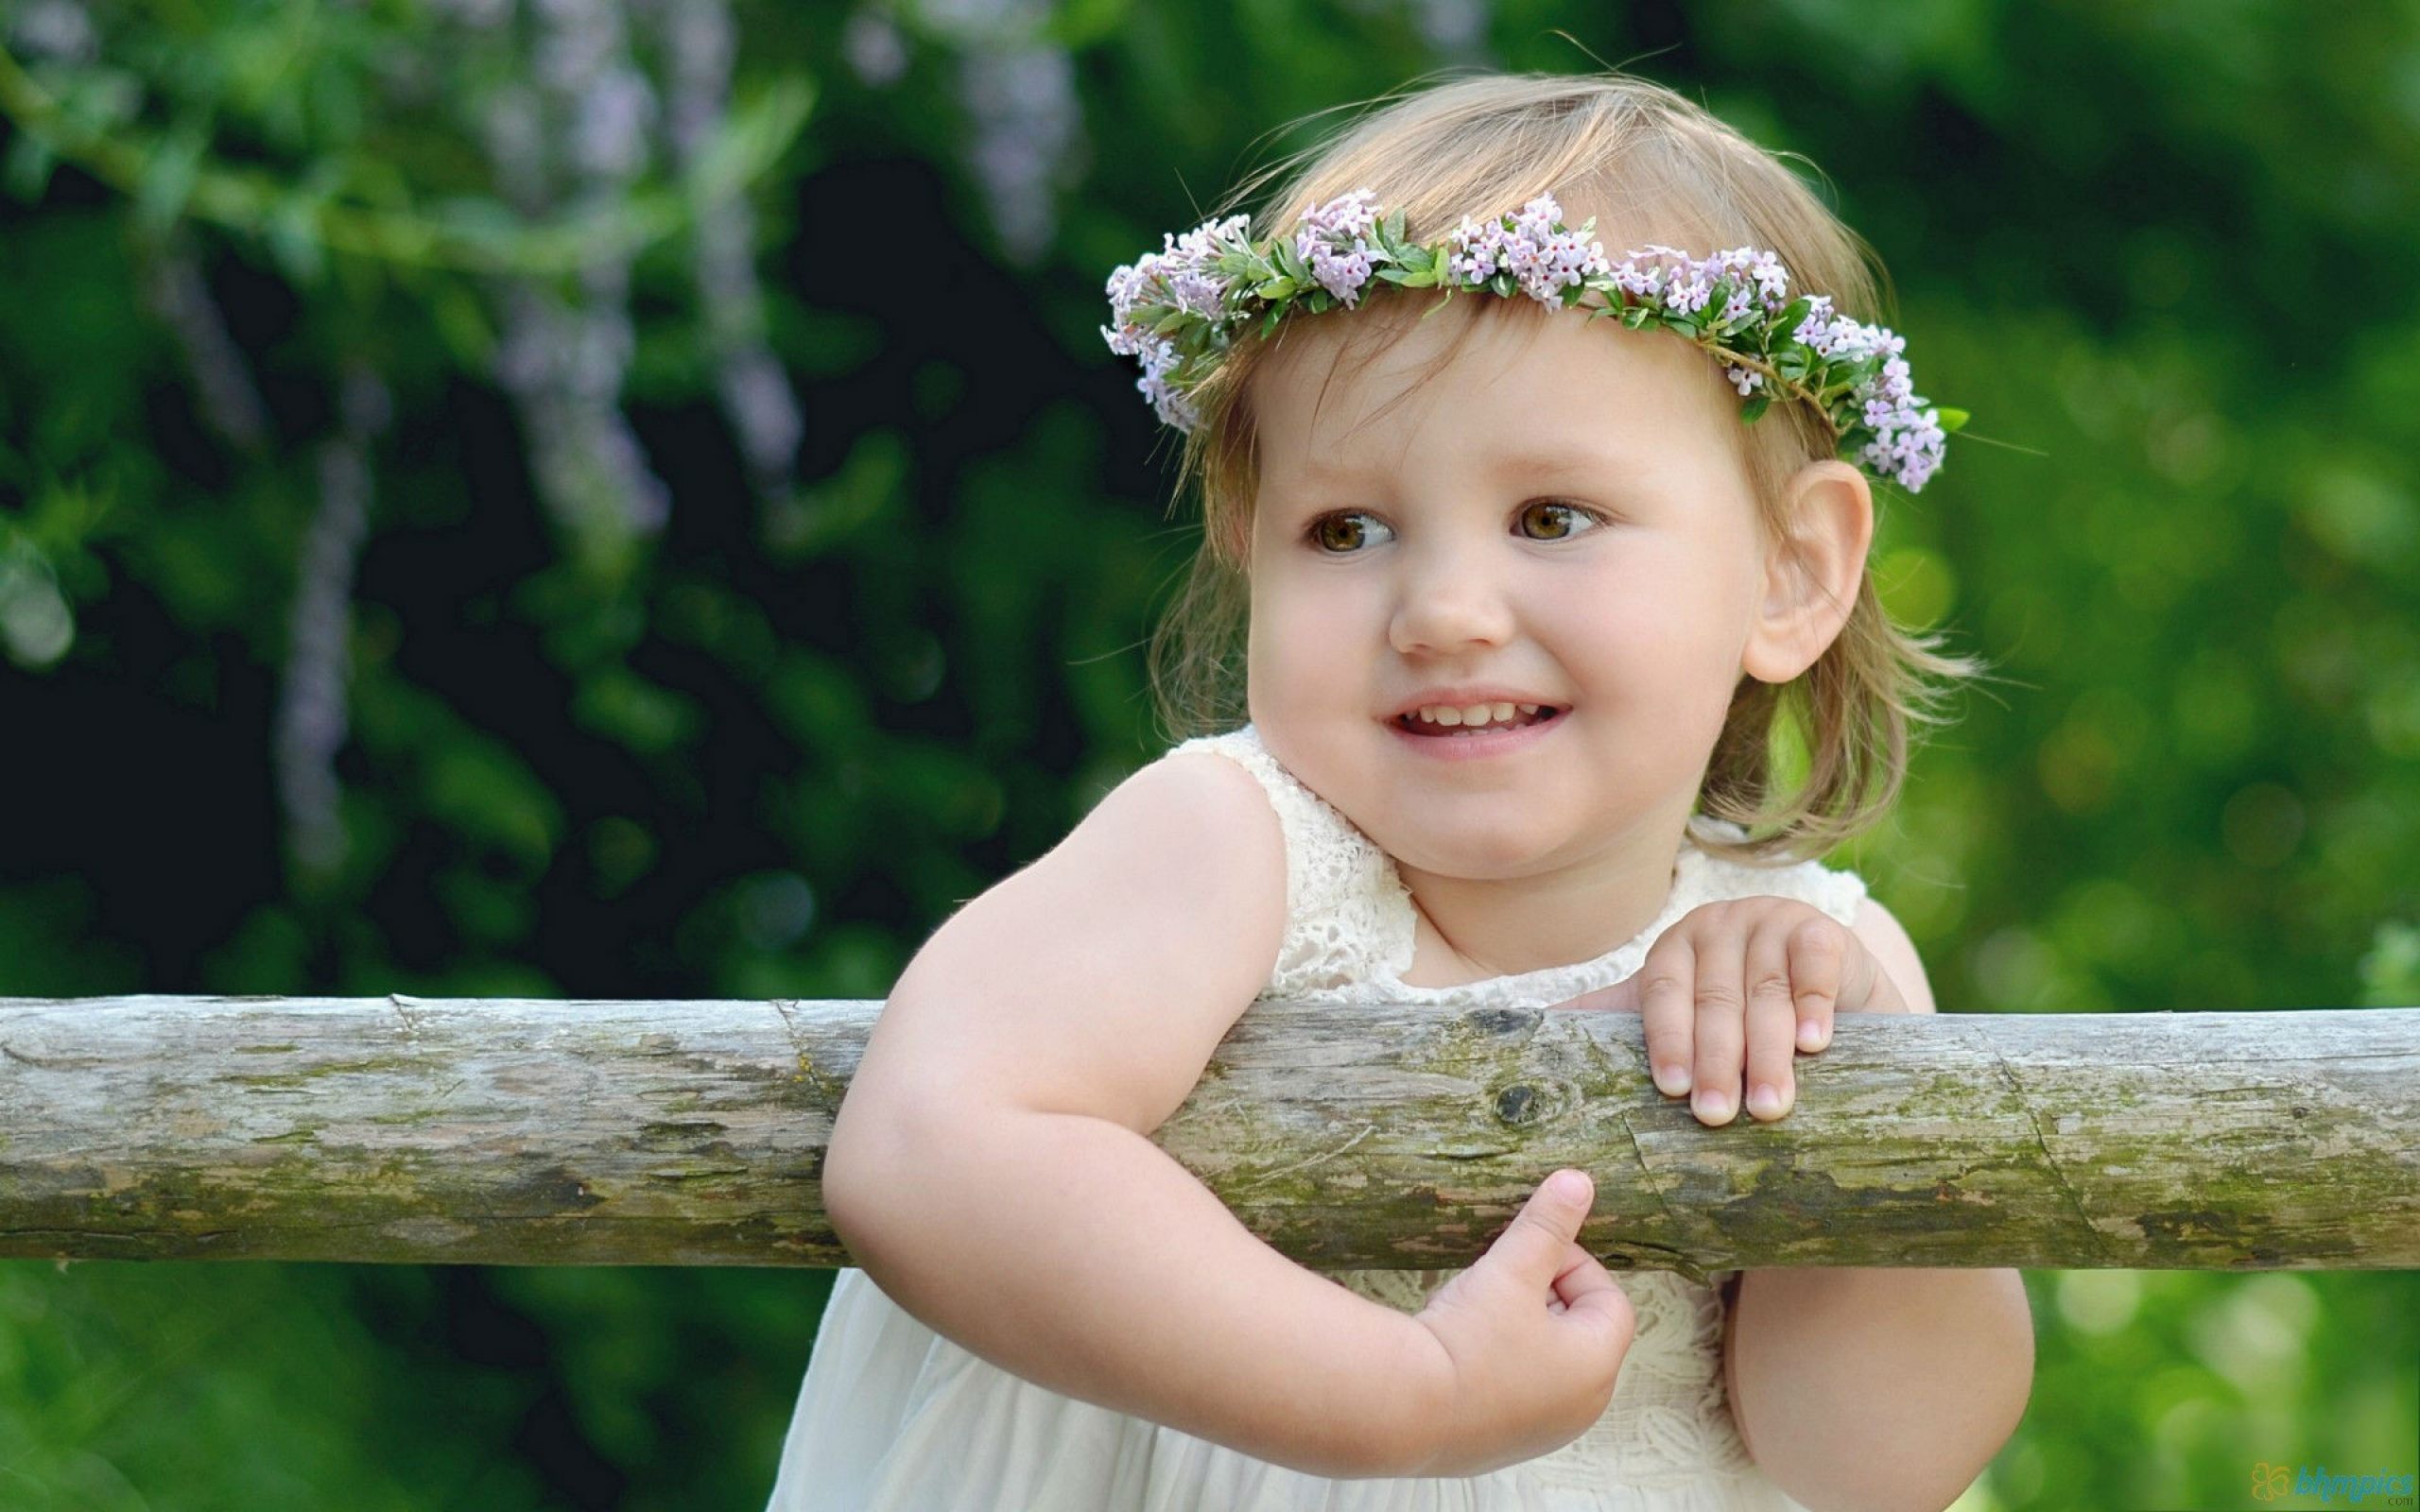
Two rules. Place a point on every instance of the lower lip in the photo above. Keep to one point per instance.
(1479, 747)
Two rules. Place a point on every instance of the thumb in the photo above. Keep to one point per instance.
(1539, 1240)
(1542, 1246)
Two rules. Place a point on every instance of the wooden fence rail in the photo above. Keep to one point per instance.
(692, 1133)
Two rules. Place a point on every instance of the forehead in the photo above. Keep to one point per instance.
(1533, 387)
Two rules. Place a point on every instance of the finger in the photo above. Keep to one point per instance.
(1771, 1017)
(1581, 1286)
(1591, 1298)
(1538, 1244)
(1666, 981)
(1866, 987)
(1817, 951)
(1720, 1027)
(1582, 1273)
(1584, 1276)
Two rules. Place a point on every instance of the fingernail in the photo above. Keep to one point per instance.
(1764, 1100)
(1569, 1185)
(1672, 1079)
(1712, 1105)
(1811, 1035)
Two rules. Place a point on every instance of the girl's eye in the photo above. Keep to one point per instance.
(1555, 510)
(1568, 513)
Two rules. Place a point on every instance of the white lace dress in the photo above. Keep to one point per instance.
(893, 1417)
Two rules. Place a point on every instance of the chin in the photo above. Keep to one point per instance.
(1486, 854)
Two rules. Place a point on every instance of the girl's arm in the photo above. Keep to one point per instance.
(991, 1170)
(1077, 1254)
(1861, 1390)
(1878, 1391)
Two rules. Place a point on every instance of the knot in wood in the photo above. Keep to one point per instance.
(1534, 1100)
(1501, 1020)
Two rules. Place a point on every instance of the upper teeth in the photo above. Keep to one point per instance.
(1477, 713)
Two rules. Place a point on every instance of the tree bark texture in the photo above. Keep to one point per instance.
(507, 1131)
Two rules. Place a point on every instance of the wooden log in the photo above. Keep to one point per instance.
(510, 1131)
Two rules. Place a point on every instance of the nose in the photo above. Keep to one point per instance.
(1448, 602)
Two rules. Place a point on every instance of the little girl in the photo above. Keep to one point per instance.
(1520, 589)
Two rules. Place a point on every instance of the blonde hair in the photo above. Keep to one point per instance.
(1671, 171)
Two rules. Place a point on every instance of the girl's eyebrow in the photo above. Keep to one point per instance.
(1538, 462)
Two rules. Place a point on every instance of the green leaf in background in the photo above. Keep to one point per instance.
(295, 237)
(169, 176)
(26, 169)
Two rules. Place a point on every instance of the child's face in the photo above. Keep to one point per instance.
(1458, 574)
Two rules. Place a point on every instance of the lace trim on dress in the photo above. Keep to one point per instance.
(1335, 880)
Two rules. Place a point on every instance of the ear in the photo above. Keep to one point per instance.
(1811, 578)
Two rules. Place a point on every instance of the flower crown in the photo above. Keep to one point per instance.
(1178, 309)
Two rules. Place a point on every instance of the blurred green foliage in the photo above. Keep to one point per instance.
(760, 744)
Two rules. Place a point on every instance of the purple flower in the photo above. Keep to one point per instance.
(1475, 252)
(1687, 291)
(1183, 276)
(1910, 454)
(1771, 281)
(1646, 282)
(1332, 240)
(1543, 260)
(1159, 355)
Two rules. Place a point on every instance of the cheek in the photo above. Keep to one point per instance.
(1637, 625)
(1300, 646)
(1653, 643)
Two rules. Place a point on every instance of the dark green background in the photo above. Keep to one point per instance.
(2163, 251)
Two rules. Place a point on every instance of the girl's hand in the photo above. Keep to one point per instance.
(1530, 1340)
(1736, 985)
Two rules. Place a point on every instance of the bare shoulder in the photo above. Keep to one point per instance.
(1099, 978)
(1887, 939)
(1196, 833)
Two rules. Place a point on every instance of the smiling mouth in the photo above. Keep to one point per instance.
(1413, 724)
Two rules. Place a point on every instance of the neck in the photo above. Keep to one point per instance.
(1559, 918)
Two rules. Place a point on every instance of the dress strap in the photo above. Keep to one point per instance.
(1334, 875)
